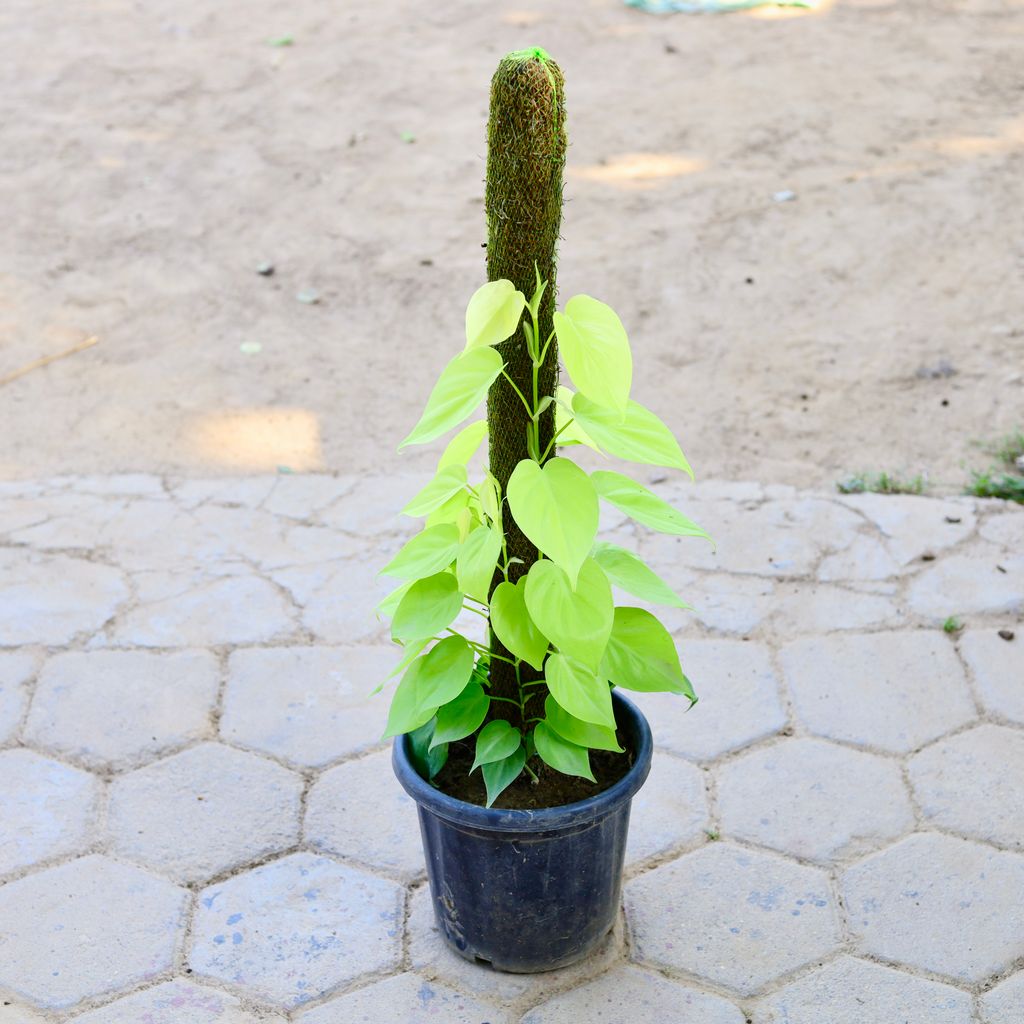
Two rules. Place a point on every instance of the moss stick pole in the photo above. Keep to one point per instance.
(523, 202)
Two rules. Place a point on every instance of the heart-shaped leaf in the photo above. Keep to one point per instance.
(579, 690)
(595, 350)
(560, 754)
(462, 447)
(577, 621)
(641, 655)
(461, 717)
(461, 387)
(556, 507)
(583, 734)
(428, 552)
(427, 757)
(447, 483)
(643, 505)
(427, 607)
(493, 314)
(499, 775)
(496, 741)
(566, 425)
(633, 575)
(477, 558)
(513, 626)
(638, 436)
(435, 679)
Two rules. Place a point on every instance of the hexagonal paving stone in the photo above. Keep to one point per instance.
(88, 928)
(998, 669)
(296, 929)
(733, 916)
(359, 810)
(893, 691)
(987, 580)
(16, 668)
(408, 999)
(49, 599)
(310, 705)
(299, 495)
(778, 538)
(203, 811)
(48, 808)
(850, 991)
(230, 610)
(627, 995)
(671, 809)
(1005, 1003)
(867, 558)
(371, 508)
(176, 1002)
(118, 708)
(915, 525)
(939, 903)
(813, 799)
(723, 604)
(338, 598)
(974, 783)
(805, 608)
(430, 956)
(738, 700)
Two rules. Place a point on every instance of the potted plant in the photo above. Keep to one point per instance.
(511, 734)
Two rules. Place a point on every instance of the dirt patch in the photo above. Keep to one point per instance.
(551, 788)
(793, 215)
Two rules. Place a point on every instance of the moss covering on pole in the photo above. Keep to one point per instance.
(523, 201)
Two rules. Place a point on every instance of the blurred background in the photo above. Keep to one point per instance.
(270, 217)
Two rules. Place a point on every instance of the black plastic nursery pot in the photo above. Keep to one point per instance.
(528, 890)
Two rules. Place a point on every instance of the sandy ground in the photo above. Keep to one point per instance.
(153, 153)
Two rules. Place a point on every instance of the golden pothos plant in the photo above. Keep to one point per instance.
(556, 623)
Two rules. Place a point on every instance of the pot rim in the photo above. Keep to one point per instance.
(542, 819)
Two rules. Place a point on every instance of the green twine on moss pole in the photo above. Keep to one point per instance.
(523, 202)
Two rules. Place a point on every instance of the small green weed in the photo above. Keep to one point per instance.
(881, 483)
(1010, 448)
(952, 625)
(1007, 486)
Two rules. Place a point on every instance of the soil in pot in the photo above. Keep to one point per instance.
(552, 788)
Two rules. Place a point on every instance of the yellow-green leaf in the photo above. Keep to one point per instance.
(580, 690)
(595, 350)
(430, 551)
(643, 505)
(496, 741)
(641, 655)
(556, 507)
(513, 626)
(478, 556)
(461, 387)
(567, 427)
(638, 436)
(493, 314)
(435, 679)
(560, 754)
(499, 775)
(583, 734)
(462, 447)
(577, 621)
(427, 607)
(447, 483)
(633, 575)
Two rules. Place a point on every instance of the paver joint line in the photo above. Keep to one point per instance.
(840, 816)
